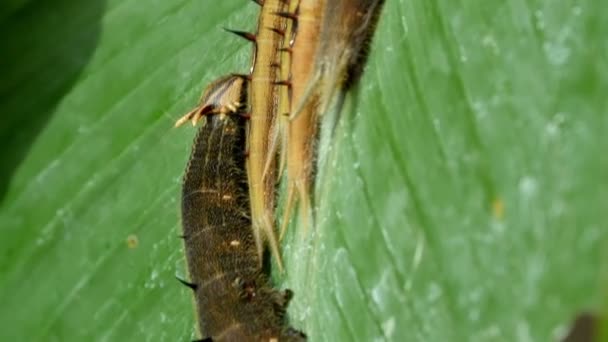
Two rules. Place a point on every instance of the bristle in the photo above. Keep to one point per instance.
(287, 15)
(277, 31)
(190, 285)
(243, 34)
(283, 83)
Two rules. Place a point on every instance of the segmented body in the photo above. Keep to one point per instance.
(228, 214)
(264, 99)
(233, 297)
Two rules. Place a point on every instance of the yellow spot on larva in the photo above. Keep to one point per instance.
(227, 197)
(235, 243)
(498, 209)
(132, 241)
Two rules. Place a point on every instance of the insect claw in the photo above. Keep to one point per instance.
(243, 34)
(259, 2)
(197, 116)
(181, 121)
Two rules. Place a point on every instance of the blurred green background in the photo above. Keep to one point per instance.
(463, 197)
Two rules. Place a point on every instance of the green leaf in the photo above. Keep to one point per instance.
(462, 198)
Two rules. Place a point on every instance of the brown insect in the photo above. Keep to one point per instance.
(329, 52)
(233, 296)
(264, 99)
(263, 102)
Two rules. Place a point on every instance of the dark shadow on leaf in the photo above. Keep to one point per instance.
(45, 46)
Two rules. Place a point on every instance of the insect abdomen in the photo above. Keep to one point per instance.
(233, 297)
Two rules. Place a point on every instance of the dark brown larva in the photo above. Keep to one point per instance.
(233, 296)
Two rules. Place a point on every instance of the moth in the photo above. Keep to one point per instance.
(328, 54)
(233, 296)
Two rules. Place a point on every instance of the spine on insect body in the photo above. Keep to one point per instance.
(302, 128)
(233, 297)
(264, 98)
